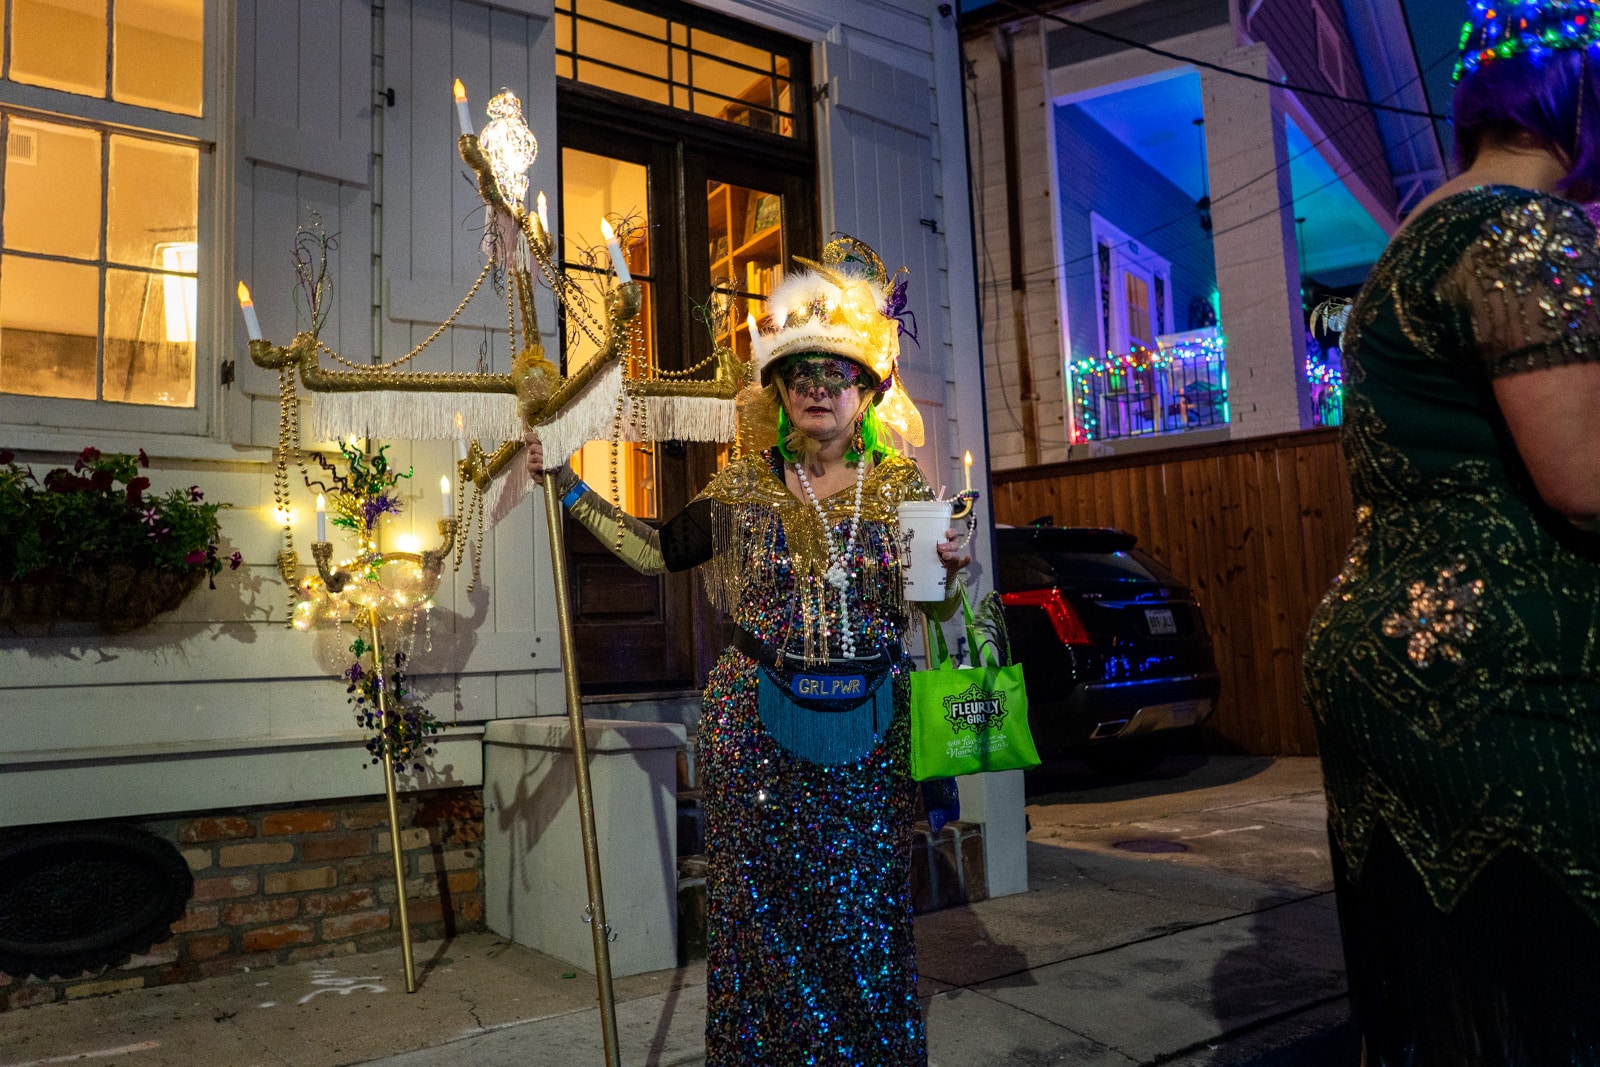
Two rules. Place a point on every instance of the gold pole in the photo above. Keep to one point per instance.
(394, 811)
(580, 768)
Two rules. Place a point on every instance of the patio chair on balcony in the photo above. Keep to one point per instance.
(1127, 414)
(1199, 404)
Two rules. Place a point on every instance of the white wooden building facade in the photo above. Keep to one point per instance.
(343, 108)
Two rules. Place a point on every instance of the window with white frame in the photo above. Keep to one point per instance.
(101, 180)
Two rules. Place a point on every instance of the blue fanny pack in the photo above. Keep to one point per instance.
(832, 713)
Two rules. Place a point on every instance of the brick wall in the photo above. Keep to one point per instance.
(283, 885)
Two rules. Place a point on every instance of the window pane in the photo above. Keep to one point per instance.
(153, 200)
(60, 44)
(593, 187)
(596, 187)
(52, 189)
(156, 54)
(636, 54)
(150, 334)
(623, 81)
(1138, 296)
(745, 228)
(49, 319)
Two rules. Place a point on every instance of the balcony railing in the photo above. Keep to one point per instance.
(1180, 385)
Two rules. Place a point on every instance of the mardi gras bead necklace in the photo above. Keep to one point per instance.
(838, 572)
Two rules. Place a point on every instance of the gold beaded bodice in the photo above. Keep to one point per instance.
(771, 554)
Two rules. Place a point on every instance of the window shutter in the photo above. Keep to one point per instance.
(432, 217)
(305, 146)
(879, 182)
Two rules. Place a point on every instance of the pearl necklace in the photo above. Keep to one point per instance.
(838, 572)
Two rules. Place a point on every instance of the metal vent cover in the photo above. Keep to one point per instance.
(76, 898)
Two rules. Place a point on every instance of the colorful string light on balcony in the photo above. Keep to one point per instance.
(1166, 389)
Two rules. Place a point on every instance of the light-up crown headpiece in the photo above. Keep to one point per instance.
(847, 305)
(1499, 30)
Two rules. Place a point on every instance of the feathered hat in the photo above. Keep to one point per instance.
(848, 306)
(1499, 30)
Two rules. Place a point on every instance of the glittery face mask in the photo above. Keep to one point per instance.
(812, 374)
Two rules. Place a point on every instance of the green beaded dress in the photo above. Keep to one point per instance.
(1452, 670)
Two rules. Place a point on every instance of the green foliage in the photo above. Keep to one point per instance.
(97, 514)
(989, 620)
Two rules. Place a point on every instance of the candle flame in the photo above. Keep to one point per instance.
(606, 231)
(322, 504)
(967, 459)
(444, 485)
(460, 91)
(461, 424)
(754, 327)
(244, 296)
(544, 218)
(407, 543)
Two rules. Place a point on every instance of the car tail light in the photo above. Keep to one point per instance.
(1067, 625)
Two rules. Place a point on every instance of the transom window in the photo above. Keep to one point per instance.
(668, 61)
(99, 233)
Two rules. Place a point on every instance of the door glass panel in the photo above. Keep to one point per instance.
(60, 44)
(52, 189)
(1138, 294)
(594, 187)
(49, 324)
(745, 229)
(157, 54)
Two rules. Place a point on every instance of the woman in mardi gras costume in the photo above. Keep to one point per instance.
(1454, 668)
(807, 802)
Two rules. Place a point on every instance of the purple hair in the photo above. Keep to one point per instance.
(1537, 97)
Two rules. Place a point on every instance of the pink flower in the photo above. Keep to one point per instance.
(197, 556)
(195, 495)
(87, 457)
(234, 561)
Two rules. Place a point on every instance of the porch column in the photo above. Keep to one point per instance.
(1258, 275)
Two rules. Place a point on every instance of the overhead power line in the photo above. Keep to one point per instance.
(1303, 90)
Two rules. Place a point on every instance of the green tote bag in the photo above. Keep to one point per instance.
(968, 719)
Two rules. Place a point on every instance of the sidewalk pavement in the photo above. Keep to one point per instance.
(1185, 920)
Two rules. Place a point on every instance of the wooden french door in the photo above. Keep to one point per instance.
(686, 179)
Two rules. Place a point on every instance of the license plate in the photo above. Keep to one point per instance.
(1160, 620)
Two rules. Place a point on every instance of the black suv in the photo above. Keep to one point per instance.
(1114, 650)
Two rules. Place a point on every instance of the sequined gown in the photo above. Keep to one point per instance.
(1452, 670)
(810, 956)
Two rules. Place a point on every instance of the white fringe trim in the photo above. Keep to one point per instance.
(395, 415)
(691, 418)
(506, 493)
(592, 416)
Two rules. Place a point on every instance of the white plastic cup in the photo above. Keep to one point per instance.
(922, 528)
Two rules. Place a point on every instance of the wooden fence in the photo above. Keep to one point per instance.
(1258, 527)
